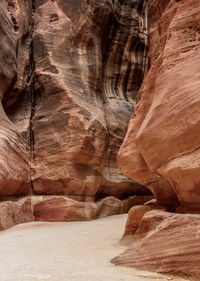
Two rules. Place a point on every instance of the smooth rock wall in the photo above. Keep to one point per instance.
(161, 148)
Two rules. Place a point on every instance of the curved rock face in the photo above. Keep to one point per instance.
(70, 71)
(166, 243)
(161, 148)
(89, 62)
(14, 90)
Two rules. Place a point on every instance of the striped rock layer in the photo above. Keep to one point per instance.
(161, 148)
(70, 71)
(166, 243)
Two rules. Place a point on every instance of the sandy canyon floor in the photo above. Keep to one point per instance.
(67, 251)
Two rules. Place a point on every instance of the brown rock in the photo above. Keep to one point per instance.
(132, 201)
(15, 113)
(109, 206)
(12, 213)
(165, 243)
(69, 72)
(60, 208)
(89, 63)
(135, 215)
(161, 148)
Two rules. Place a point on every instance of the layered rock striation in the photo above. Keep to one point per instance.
(161, 148)
(15, 99)
(166, 243)
(89, 63)
(70, 71)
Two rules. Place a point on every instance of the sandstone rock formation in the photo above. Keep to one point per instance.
(12, 213)
(14, 92)
(70, 71)
(135, 215)
(60, 208)
(165, 243)
(64, 209)
(161, 148)
(89, 63)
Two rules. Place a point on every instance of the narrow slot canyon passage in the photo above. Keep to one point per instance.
(99, 117)
(70, 251)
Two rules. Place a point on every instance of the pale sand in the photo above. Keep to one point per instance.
(67, 251)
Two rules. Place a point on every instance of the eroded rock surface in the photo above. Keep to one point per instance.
(161, 148)
(70, 71)
(89, 63)
(61, 208)
(12, 213)
(14, 90)
(165, 243)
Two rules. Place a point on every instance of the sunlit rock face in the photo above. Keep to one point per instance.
(89, 62)
(161, 148)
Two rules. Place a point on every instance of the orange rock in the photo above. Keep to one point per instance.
(135, 215)
(60, 208)
(165, 243)
(161, 148)
(69, 73)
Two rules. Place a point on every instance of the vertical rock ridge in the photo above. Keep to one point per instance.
(32, 88)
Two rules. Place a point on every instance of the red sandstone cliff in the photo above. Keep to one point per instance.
(89, 63)
(70, 71)
(161, 147)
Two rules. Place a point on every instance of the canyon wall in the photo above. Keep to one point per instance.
(70, 72)
(89, 63)
(161, 148)
(15, 102)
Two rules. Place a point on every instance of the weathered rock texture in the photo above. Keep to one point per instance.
(161, 148)
(166, 243)
(12, 213)
(89, 63)
(135, 215)
(14, 90)
(61, 208)
(70, 71)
